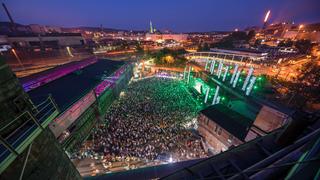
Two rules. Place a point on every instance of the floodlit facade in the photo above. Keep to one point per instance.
(163, 37)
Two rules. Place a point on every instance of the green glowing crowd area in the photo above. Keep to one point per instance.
(152, 120)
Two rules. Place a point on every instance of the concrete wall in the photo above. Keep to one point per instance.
(47, 160)
(106, 99)
(270, 119)
(69, 116)
(62, 40)
(80, 130)
(13, 99)
(217, 137)
(77, 131)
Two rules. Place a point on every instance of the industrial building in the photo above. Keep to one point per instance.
(290, 152)
(82, 96)
(37, 129)
(225, 126)
(50, 40)
(162, 37)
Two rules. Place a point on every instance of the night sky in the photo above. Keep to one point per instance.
(176, 15)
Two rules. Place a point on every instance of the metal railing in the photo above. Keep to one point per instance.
(25, 128)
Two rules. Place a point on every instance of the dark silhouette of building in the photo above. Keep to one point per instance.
(28, 149)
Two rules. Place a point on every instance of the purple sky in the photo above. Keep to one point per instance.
(176, 15)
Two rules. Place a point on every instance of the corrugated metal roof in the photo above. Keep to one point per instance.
(68, 89)
(230, 120)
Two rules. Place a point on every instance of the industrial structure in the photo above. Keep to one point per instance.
(241, 57)
(225, 126)
(28, 148)
(158, 36)
(40, 125)
(256, 139)
(233, 113)
(291, 152)
(92, 85)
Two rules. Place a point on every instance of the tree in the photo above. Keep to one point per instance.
(139, 49)
(308, 84)
(304, 46)
(159, 58)
(124, 45)
(180, 52)
(199, 48)
(227, 43)
(257, 42)
(251, 34)
(204, 47)
(237, 36)
(287, 43)
(170, 57)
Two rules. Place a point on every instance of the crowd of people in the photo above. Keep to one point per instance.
(148, 122)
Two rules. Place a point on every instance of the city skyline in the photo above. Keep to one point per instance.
(177, 16)
(168, 89)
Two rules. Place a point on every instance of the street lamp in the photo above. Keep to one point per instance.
(301, 26)
(17, 57)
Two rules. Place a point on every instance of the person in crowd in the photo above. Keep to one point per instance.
(148, 123)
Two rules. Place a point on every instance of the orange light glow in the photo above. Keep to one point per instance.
(169, 59)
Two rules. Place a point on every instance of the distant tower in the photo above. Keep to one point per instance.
(151, 27)
(13, 25)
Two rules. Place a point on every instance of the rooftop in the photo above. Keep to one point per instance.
(43, 77)
(230, 120)
(22, 34)
(245, 108)
(68, 89)
(245, 52)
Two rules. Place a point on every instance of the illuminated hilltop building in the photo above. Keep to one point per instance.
(157, 36)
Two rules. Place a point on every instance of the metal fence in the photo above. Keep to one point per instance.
(27, 126)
